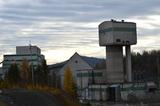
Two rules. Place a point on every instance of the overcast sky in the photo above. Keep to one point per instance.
(62, 27)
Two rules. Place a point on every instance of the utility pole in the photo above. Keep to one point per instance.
(158, 69)
(30, 48)
(101, 98)
(81, 84)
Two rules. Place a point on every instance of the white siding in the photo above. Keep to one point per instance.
(75, 63)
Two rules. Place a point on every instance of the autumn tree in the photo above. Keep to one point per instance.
(41, 74)
(38, 73)
(69, 85)
(13, 74)
(45, 72)
(24, 71)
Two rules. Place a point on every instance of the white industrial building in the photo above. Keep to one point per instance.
(75, 63)
(113, 83)
(30, 53)
(83, 72)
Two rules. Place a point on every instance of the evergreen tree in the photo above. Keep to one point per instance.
(41, 74)
(145, 65)
(13, 75)
(45, 72)
(38, 75)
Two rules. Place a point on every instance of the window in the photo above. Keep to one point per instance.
(76, 61)
(118, 40)
(127, 42)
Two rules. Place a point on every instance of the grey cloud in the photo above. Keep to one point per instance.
(67, 11)
(83, 11)
(149, 32)
(68, 21)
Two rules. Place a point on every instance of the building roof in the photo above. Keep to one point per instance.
(57, 65)
(92, 61)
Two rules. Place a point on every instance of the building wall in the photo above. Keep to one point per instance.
(117, 33)
(30, 53)
(98, 92)
(86, 77)
(10, 59)
(1, 73)
(114, 64)
(28, 50)
(75, 63)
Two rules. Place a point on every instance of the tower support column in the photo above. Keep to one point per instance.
(114, 64)
(128, 63)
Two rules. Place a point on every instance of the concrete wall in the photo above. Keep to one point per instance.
(123, 92)
(10, 59)
(86, 77)
(114, 64)
(31, 53)
(27, 50)
(117, 33)
(124, 104)
(75, 63)
(98, 92)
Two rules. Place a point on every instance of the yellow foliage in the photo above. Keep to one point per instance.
(24, 73)
(69, 85)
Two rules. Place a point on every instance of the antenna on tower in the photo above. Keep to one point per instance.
(29, 43)
(30, 46)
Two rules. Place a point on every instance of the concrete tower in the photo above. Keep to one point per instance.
(114, 35)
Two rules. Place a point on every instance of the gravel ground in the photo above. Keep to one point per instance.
(21, 97)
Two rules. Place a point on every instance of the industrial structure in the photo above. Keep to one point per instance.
(30, 53)
(114, 35)
(82, 70)
(113, 84)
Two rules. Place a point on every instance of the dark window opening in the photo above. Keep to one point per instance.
(118, 40)
(127, 42)
(76, 61)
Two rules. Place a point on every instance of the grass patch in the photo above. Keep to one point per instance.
(60, 95)
(3, 104)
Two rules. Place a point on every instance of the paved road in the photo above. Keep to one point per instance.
(21, 97)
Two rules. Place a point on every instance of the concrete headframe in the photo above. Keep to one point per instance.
(114, 35)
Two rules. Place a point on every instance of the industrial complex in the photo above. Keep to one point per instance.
(96, 85)
(113, 83)
(114, 35)
(31, 53)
